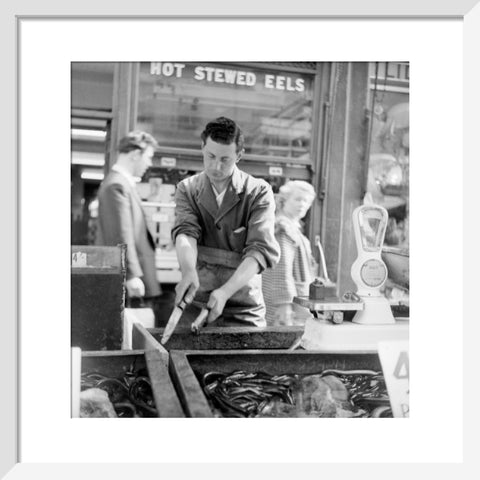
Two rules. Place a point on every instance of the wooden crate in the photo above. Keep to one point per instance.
(97, 297)
(188, 367)
(116, 363)
(220, 338)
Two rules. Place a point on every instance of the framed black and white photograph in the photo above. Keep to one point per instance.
(217, 218)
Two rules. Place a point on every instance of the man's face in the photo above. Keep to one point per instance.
(143, 160)
(219, 160)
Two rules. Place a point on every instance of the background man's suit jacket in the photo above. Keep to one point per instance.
(121, 220)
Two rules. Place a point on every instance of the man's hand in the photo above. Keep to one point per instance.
(187, 287)
(135, 287)
(216, 304)
(283, 315)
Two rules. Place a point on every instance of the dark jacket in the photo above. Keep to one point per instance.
(244, 224)
(121, 220)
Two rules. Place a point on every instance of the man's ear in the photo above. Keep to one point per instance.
(239, 155)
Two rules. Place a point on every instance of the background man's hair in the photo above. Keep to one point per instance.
(136, 140)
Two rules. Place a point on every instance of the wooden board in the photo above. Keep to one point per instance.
(142, 340)
(116, 363)
(188, 367)
(230, 338)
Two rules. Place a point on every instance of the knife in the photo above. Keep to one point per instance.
(200, 320)
(172, 322)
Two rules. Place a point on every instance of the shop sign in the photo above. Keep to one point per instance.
(232, 76)
(395, 365)
(168, 162)
(275, 171)
(160, 217)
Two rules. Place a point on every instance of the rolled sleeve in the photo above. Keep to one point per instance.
(186, 219)
(261, 243)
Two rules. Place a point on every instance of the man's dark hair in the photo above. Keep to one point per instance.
(225, 131)
(136, 140)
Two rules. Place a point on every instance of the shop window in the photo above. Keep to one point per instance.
(389, 162)
(273, 108)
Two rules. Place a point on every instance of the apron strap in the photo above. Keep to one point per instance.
(217, 256)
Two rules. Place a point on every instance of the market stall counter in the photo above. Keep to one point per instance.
(219, 338)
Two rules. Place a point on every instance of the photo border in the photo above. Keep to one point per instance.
(469, 10)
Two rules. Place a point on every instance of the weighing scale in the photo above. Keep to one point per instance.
(373, 320)
(369, 271)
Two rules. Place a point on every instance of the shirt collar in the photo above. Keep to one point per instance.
(123, 171)
(238, 180)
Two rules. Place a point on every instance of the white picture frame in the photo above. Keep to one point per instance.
(10, 240)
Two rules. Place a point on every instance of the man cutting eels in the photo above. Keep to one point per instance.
(224, 233)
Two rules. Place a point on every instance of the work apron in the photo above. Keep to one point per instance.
(215, 267)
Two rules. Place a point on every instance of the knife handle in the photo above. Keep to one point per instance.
(200, 320)
(182, 305)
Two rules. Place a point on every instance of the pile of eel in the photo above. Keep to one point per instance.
(129, 395)
(331, 394)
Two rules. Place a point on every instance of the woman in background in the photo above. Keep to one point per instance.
(296, 269)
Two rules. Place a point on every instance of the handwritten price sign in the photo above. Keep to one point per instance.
(396, 370)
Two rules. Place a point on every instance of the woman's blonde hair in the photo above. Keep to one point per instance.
(289, 188)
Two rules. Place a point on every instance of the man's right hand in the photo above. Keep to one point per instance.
(187, 287)
(135, 287)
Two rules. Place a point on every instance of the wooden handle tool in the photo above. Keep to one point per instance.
(200, 320)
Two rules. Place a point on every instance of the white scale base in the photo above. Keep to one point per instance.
(376, 311)
(322, 335)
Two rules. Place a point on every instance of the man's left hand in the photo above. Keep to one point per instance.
(216, 304)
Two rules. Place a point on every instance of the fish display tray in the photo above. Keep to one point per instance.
(220, 338)
(188, 367)
(116, 363)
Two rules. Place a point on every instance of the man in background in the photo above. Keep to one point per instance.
(120, 215)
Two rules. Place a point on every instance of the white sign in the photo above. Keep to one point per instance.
(79, 260)
(168, 162)
(275, 171)
(396, 370)
(205, 73)
(160, 217)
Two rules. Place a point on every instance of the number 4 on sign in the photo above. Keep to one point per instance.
(79, 259)
(396, 370)
(402, 367)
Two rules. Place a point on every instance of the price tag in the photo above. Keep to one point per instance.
(160, 217)
(275, 171)
(168, 162)
(395, 365)
(79, 260)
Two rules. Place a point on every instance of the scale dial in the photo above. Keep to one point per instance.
(373, 273)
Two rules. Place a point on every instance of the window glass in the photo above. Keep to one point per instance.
(273, 108)
(389, 163)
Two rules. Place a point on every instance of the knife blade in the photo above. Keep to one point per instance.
(172, 322)
(200, 320)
